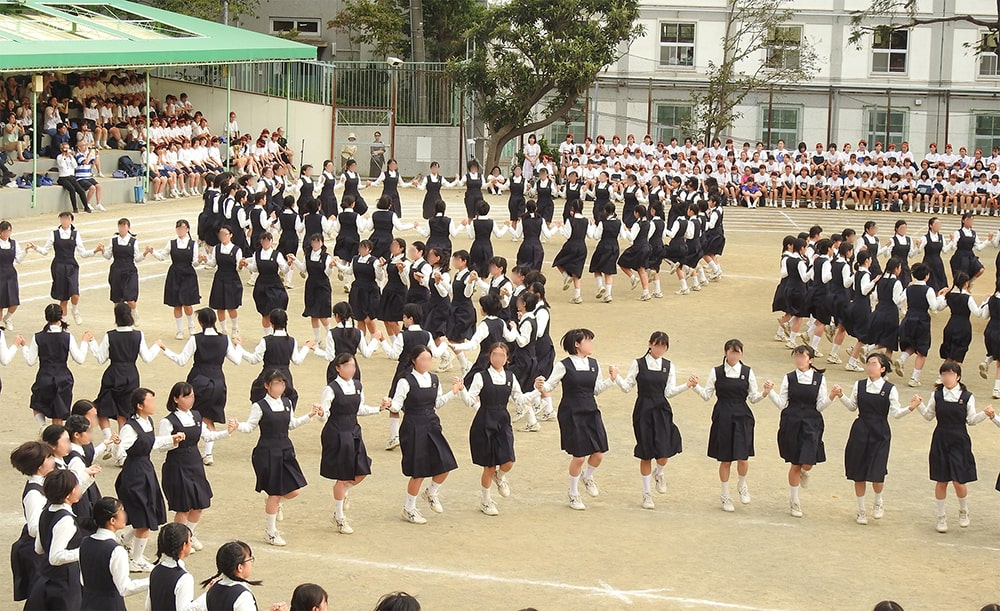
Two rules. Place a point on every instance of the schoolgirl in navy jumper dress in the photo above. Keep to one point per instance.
(482, 229)
(933, 246)
(958, 331)
(180, 288)
(314, 220)
(730, 438)
(171, 586)
(351, 182)
(866, 454)
(869, 240)
(391, 183)
(80, 460)
(185, 484)
(104, 566)
(57, 585)
(365, 295)
(951, 459)
(34, 460)
(348, 227)
(344, 457)
(778, 303)
(437, 312)
(274, 463)
(657, 437)
(991, 337)
(384, 220)
(137, 486)
(209, 350)
(52, 391)
(491, 330)
(291, 225)
(393, 272)
(327, 193)
(523, 361)
(65, 269)
(440, 229)
(269, 291)
(543, 190)
(473, 183)
(603, 263)
(418, 275)
(491, 437)
(531, 229)
(581, 429)
(345, 337)
(123, 346)
(516, 200)
(229, 589)
(636, 257)
(915, 328)
(573, 255)
(902, 247)
(571, 189)
(11, 254)
(966, 243)
(883, 330)
(462, 315)
(124, 252)
(425, 451)
(318, 294)
(277, 351)
(226, 295)
(432, 184)
(802, 398)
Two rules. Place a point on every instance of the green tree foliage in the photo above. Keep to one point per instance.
(207, 9)
(886, 16)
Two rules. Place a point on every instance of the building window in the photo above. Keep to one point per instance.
(784, 125)
(307, 27)
(677, 44)
(670, 122)
(783, 46)
(877, 128)
(987, 132)
(889, 51)
(573, 123)
(988, 64)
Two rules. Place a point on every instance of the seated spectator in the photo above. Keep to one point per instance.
(66, 163)
(13, 137)
(85, 160)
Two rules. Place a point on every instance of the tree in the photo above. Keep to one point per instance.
(759, 52)
(883, 17)
(207, 9)
(528, 52)
(385, 25)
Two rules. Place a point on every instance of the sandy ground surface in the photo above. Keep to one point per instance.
(687, 553)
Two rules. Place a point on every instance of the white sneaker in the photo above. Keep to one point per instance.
(575, 502)
(413, 516)
(834, 359)
(942, 524)
(489, 508)
(878, 510)
(207, 460)
(682, 291)
(520, 413)
(804, 479)
(576, 300)
(608, 299)
(661, 483)
(343, 526)
(963, 518)
(101, 208)
(658, 295)
(120, 460)
(196, 545)
(744, 493)
(107, 454)
(274, 538)
(549, 415)
(634, 281)
(8, 324)
(503, 487)
(897, 367)
(76, 317)
(853, 367)
(696, 287)
(914, 383)
(567, 282)
(591, 486)
(983, 369)
(392, 444)
(600, 293)
(531, 428)
(817, 353)
(139, 565)
(647, 501)
(179, 335)
(727, 504)
(645, 296)
(862, 518)
(996, 393)
(779, 337)
(795, 509)
(191, 330)
(434, 501)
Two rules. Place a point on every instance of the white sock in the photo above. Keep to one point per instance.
(222, 325)
(658, 469)
(815, 341)
(903, 357)
(725, 488)
(878, 498)
(548, 405)
(576, 292)
(701, 276)
(179, 322)
(607, 290)
(963, 503)
(338, 509)
(271, 521)
(191, 526)
(486, 495)
(646, 480)
(107, 434)
(742, 480)
(433, 488)
(208, 447)
(463, 361)
(565, 276)
(834, 349)
(531, 417)
(684, 284)
(129, 535)
(794, 490)
(852, 361)
(39, 418)
(411, 502)
(190, 319)
(916, 374)
(574, 485)
(236, 323)
(317, 335)
(861, 502)
(138, 547)
(600, 281)
(716, 268)
(394, 426)
(656, 286)
(588, 472)
(940, 507)
(288, 275)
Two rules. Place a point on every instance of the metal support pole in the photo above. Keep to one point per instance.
(288, 101)
(770, 114)
(392, 117)
(145, 180)
(333, 121)
(888, 114)
(829, 117)
(228, 68)
(947, 114)
(649, 108)
(36, 137)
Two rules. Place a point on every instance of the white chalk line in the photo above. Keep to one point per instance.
(602, 588)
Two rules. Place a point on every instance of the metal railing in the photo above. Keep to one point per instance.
(424, 93)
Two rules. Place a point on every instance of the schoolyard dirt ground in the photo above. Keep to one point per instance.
(687, 553)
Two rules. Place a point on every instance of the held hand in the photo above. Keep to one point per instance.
(540, 384)
(692, 381)
(115, 439)
(88, 336)
(232, 424)
(237, 342)
(310, 344)
(147, 251)
(915, 402)
(93, 470)
(837, 391)
(317, 410)
(177, 438)
(990, 412)
(386, 404)
(20, 341)
(768, 386)
(161, 345)
(457, 385)
(378, 336)
(419, 276)
(944, 291)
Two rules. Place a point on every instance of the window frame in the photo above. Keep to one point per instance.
(995, 56)
(660, 127)
(879, 136)
(785, 47)
(888, 51)
(660, 45)
(790, 144)
(995, 115)
(295, 25)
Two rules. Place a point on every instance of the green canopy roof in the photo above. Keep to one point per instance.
(37, 35)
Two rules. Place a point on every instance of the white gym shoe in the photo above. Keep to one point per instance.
(963, 518)
(862, 518)
(107, 453)
(647, 501)
(520, 413)
(549, 415)
(531, 428)
(8, 324)
(984, 369)
(608, 299)
(489, 508)
(661, 483)
(645, 296)
(853, 367)
(576, 300)
(179, 335)
(575, 502)
(727, 504)
(101, 208)
(191, 330)
(413, 516)
(600, 293)
(834, 359)
(434, 501)
(942, 524)
(744, 493)
(634, 281)
(273, 538)
(817, 353)
(196, 545)
(795, 509)
(343, 526)
(682, 291)
(393, 443)
(591, 486)
(657, 295)
(897, 367)
(804, 479)
(207, 460)
(76, 317)
(696, 286)
(139, 565)
(567, 282)
(878, 510)
(503, 487)
(780, 337)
